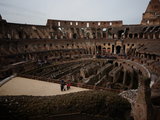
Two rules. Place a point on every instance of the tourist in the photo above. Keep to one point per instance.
(65, 87)
(62, 85)
(68, 85)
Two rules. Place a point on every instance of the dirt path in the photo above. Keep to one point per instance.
(25, 86)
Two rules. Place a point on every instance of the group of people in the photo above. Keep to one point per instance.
(65, 85)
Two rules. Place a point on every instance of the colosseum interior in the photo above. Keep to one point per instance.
(102, 56)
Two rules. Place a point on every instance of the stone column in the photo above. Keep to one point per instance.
(106, 35)
(96, 33)
(154, 36)
(114, 49)
(143, 36)
(124, 77)
(101, 34)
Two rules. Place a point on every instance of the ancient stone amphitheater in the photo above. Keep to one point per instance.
(96, 55)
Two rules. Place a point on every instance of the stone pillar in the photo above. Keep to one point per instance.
(124, 77)
(154, 36)
(142, 109)
(96, 34)
(122, 49)
(127, 36)
(143, 36)
(114, 49)
(101, 34)
(106, 35)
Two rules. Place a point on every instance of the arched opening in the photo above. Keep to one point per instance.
(99, 48)
(104, 34)
(131, 36)
(20, 34)
(118, 49)
(94, 35)
(108, 50)
(112, 48)
(110, 33)
(141, 35)
(116, 64)
(135, 35)
(104, 51)
(98, 35)
(154, 57)
(88, 35)
(124, 48)
(120, 33)
(74, 36)
(151, 36)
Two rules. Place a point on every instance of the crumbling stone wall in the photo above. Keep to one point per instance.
(143, 108)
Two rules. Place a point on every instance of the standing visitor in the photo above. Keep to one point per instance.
(68, 85)
(62, 85)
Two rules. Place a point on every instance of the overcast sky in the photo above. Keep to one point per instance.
(38, 11)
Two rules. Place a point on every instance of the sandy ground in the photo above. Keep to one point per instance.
(25, 86)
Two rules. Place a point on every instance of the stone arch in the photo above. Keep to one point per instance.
(120, 32)
(135, 35)
(104, 34)
(74, 36)
(130, 36)
(98, 49)
(20, 33)
(118, 49)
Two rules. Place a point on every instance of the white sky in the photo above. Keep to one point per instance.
(38, 11)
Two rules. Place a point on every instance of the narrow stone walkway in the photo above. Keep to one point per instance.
(24, 86)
